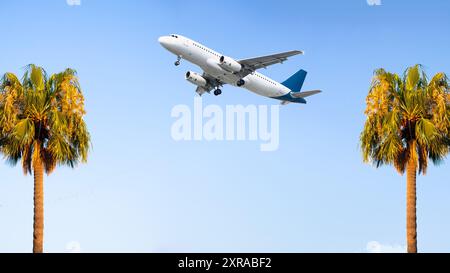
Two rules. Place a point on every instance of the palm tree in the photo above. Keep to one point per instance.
(408, 123)
(41, 124)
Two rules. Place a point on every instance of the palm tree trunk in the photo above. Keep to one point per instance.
(38, 225)
(411, 219)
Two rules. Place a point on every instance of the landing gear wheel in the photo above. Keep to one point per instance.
(177, 63)
(217, 92)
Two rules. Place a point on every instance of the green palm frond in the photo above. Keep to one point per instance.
(408, 118)
(42, 119)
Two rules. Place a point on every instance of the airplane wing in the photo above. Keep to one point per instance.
(249, 66)
(200, 90)
(212, 84)
(253, 64)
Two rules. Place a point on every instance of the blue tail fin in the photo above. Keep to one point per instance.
(295, 82)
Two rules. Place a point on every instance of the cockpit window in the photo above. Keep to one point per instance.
(174, 36)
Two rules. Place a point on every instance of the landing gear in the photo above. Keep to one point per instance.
(177, 63)
(217, 92)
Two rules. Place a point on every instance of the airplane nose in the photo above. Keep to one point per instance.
(164, 41)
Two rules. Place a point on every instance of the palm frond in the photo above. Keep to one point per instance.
(41, 119)
(408, 118)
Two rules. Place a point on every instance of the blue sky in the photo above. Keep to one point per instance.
(143, 192)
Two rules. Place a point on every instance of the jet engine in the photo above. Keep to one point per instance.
(196, 79)
(229, 64)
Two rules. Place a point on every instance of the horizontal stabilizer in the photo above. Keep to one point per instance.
(304, 94)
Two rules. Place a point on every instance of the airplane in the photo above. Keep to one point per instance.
(219, 69)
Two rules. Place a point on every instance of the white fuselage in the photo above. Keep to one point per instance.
(209, 60)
